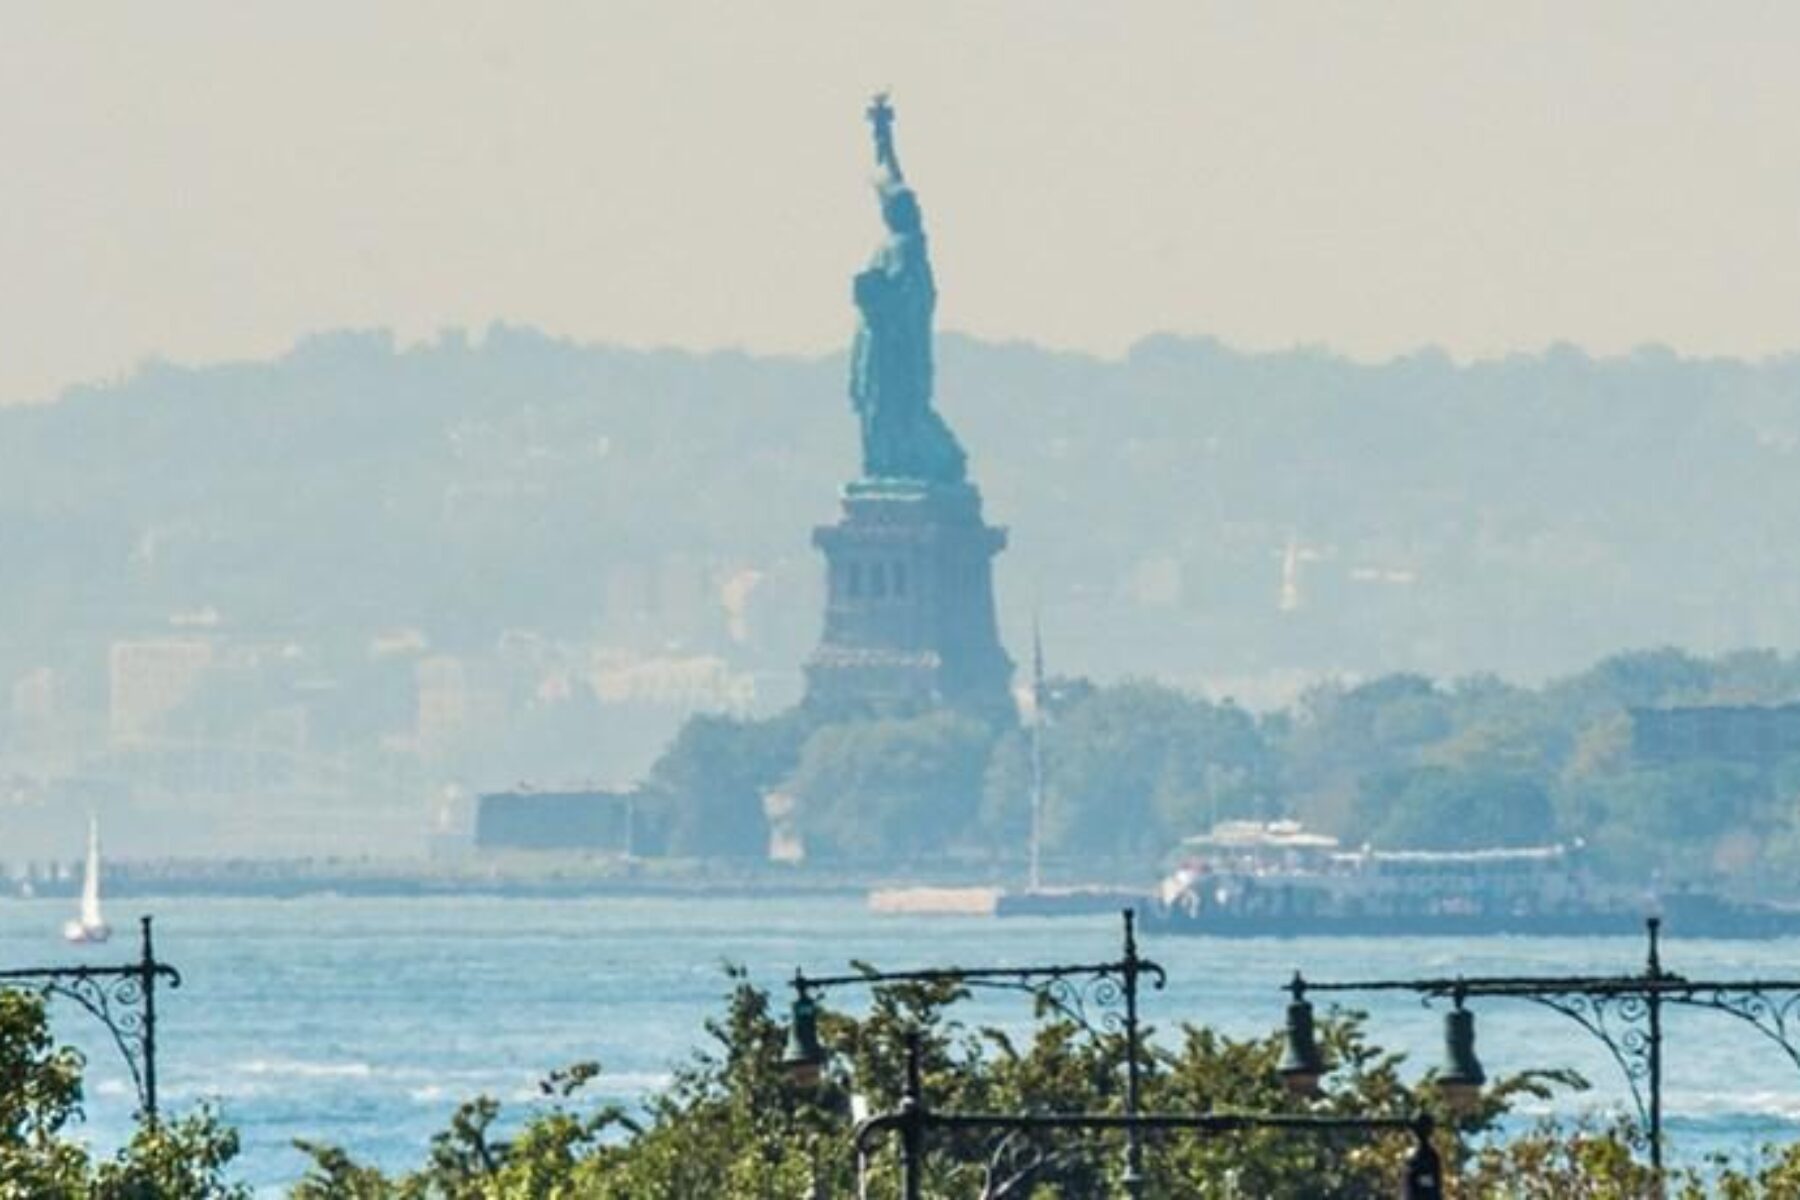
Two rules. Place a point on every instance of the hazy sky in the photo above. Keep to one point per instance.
(211, 180)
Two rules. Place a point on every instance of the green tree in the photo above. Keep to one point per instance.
(1134, 767)
(894, 787)
(732, 1124)
(704, 796)
(185, 1158)
(1341, 736)
(1502, 729)
(1637, 679)
(1673, 817)
(1434, 808)
(41, 1098)
(1004, 819)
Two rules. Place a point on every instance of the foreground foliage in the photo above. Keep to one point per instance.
(40, 1101)
(733, 1125)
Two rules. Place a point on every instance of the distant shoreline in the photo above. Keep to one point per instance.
(511, 878)
(296, 885)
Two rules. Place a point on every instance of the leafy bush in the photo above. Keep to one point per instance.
(183, 1159)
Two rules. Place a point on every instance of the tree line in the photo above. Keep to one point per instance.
(1399, 762)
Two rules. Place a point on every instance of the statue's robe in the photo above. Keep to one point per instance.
(891, 368)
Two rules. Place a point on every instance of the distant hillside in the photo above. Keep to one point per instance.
(1190, 512)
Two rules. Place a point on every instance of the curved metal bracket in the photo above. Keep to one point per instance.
(1016, 1165)
(123, 999)
(1772, 1009)
(1618, 1022)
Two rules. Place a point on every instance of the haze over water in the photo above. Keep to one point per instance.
(365, 1022)
(305, 595)
(1377, 178)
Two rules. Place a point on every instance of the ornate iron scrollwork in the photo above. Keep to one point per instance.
(123, 999)
(1100, 998)
(1028, 1152)
(1623, 1013)
(1017, 1164)
(1770, 1007)
(1620, 1023)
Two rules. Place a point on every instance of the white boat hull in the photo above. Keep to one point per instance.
(75, 931)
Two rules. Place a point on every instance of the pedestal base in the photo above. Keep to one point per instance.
(909, 613)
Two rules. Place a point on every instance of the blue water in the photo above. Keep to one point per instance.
(365, 1022)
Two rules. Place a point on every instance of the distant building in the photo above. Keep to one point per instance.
(36, 709)
(443, 700)
(1756, 735)
(786, 845)
(148, 679)
(698, 683)
(592, 819)
(449, 704)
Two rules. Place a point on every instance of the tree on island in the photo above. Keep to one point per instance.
(704, 796)
(892, 788)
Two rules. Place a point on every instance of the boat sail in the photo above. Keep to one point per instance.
(90, 926)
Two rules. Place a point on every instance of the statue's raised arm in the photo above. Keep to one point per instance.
(881, 121)
(890, 362)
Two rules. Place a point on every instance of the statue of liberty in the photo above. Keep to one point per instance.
(903, 437)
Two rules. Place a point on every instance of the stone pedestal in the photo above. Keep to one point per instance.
(909, 611)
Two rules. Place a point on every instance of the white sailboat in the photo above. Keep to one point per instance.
(90, 926)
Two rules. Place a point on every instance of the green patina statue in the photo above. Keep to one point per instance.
(903, 437)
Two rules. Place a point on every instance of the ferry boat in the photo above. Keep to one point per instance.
(1277, 879)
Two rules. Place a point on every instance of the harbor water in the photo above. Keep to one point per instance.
(364, 1022)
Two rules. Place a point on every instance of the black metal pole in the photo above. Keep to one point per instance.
(122, 998)
(1043, 981)
(1421, 1180)
(147, 967)
(1653, 927)
(912, 1132)
(1424, 1176)
(1134, 1146)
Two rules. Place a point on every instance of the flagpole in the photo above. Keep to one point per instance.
(1037, 753)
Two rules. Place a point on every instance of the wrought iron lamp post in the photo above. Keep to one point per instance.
(1068, 987)
(1625, 1012)
(915, 1119)
(122, 998)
